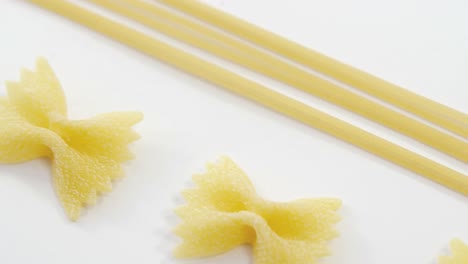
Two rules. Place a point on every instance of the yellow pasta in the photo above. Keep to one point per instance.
(225, 46)
(260, 94)
(425, 108)
(224, 211)
(460, 253)
(85, 154)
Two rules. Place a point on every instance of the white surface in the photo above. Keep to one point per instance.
(389, 215)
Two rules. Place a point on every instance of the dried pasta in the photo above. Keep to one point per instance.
(85, 154)
(459, 255)
(260, 94)
(224, 211)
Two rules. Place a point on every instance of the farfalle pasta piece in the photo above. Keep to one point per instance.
(224, 211)
(459, 253)
(85, 154)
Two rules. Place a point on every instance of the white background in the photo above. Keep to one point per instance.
(389, 215)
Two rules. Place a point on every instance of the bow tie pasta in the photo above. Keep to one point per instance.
(85, 154)
(224, 211)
